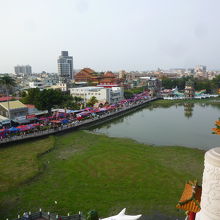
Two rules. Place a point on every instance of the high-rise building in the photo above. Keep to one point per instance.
(200, 72)
(65, 65)
(200, 68)
(24, 69)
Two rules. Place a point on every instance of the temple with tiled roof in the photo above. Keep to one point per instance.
(87, 75)
(217, 129)
(190, 199)
(90, 76)
(108, 78)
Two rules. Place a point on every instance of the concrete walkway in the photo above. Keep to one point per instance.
(81, 124)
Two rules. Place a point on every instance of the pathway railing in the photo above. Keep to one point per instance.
(48, 216)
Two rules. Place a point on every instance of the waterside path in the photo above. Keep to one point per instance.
(85, 124)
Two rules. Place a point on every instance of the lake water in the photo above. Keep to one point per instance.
(184, 125)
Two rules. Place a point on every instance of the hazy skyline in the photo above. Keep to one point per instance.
(110, 34)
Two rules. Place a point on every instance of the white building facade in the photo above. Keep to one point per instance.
(103, 95)
(60, 85)
(36, 84)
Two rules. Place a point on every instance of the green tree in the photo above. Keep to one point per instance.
(23, 93)
(92, 101)
(168, 83)
(7, 82)
(128, 94)
(216, 82)
(71, 102)
(48, 99)
(77, 99)
(31, 96)
(203, 84)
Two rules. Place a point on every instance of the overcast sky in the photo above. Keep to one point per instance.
(110, 34)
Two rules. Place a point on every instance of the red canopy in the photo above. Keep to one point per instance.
(24, 127)
(36, 124)
(3, 130)
(55, 121)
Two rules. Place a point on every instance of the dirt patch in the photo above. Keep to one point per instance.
(69, 152)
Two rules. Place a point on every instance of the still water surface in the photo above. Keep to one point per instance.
(184, 125)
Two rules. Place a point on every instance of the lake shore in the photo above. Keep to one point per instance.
(181, 101)
(169, 123)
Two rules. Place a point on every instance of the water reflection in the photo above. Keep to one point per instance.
(116, 121)
(185, 124)
(188, 106)
(188, 109)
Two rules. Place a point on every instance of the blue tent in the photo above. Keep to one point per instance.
(65, 121)
(13, 129)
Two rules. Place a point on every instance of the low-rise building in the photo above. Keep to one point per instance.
(4, 121)
(36, 84)
(61, 86)
(16, 108)
(103, 95)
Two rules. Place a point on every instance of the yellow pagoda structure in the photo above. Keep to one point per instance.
(189, 89)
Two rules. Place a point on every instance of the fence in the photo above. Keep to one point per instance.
(49, 216)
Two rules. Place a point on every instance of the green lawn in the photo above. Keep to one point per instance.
(19, 162)
(85, 171)
(181, 101)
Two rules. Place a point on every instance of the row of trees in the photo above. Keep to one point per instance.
(46, 99)
(49, 98)
(210, 85)
(6, 82)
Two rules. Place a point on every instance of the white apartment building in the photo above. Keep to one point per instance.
(25, 69)
(36, 84)
(110, 95)
(60, 85)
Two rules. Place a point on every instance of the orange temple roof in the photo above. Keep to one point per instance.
(217, 123)
(216, 130)
(191, 197)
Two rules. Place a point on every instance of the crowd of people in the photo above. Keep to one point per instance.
(63, 119)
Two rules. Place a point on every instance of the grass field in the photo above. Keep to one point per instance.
(19, 162)
(85, 171)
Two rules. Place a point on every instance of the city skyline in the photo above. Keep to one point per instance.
(110, 35)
